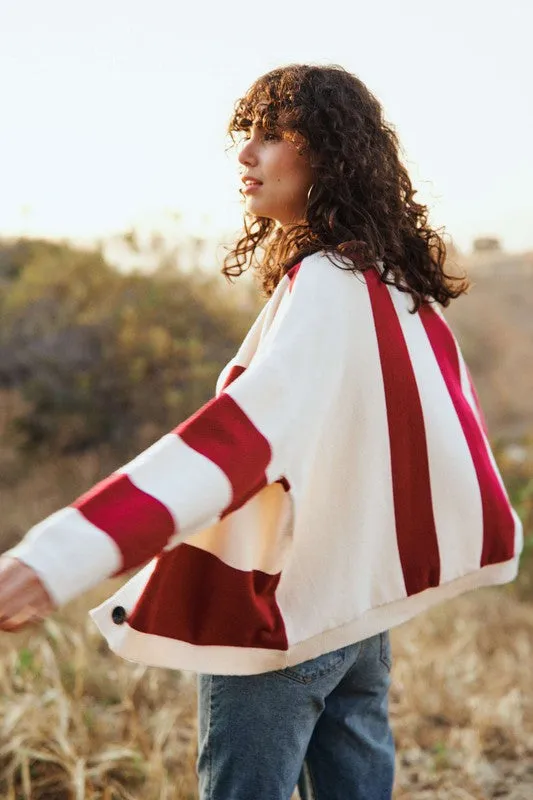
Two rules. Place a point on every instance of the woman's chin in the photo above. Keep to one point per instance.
(252, 207)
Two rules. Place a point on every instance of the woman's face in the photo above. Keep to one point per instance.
(282, 176)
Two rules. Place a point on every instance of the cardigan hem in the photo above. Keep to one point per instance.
(160, 651)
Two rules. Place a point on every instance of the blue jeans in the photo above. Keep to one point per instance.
(322, 725)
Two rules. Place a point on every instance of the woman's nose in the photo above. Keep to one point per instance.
(247, 154)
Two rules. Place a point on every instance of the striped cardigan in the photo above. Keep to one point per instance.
(339, 482)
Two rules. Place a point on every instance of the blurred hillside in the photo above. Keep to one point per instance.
(494, 325)
(89, 355)
(93, 354)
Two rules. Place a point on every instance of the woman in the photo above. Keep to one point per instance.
(339, 483)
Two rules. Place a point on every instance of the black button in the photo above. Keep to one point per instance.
(119, 615)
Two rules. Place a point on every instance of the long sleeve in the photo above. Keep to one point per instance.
(215, 461)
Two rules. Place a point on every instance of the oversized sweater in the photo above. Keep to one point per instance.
(339, 482)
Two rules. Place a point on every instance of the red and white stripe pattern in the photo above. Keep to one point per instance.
(343, 466)
(420, 362)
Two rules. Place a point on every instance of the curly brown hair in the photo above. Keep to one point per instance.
(361, 203)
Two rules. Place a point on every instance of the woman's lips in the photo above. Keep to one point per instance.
(251, 187)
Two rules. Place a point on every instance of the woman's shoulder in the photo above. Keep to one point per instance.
(329, 268)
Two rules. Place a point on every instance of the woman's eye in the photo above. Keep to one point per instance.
(267, 136)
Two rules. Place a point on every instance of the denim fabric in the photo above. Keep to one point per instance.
(322, 725)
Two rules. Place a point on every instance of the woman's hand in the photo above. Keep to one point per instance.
(23, 598)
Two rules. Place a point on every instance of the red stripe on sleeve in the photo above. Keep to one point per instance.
(138, 523)
(292, 273)
(223, 433)
(498, 522)
(194, 596)
(415, 523)
(234, 373)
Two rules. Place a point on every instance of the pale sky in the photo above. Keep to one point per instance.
(113, 112)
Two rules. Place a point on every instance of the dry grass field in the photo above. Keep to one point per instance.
(78, 722)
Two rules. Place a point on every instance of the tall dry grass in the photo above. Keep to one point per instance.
(78, 722)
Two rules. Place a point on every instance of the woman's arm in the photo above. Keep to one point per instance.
(212, 463)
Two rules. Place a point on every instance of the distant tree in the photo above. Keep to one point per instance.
(487, 244)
